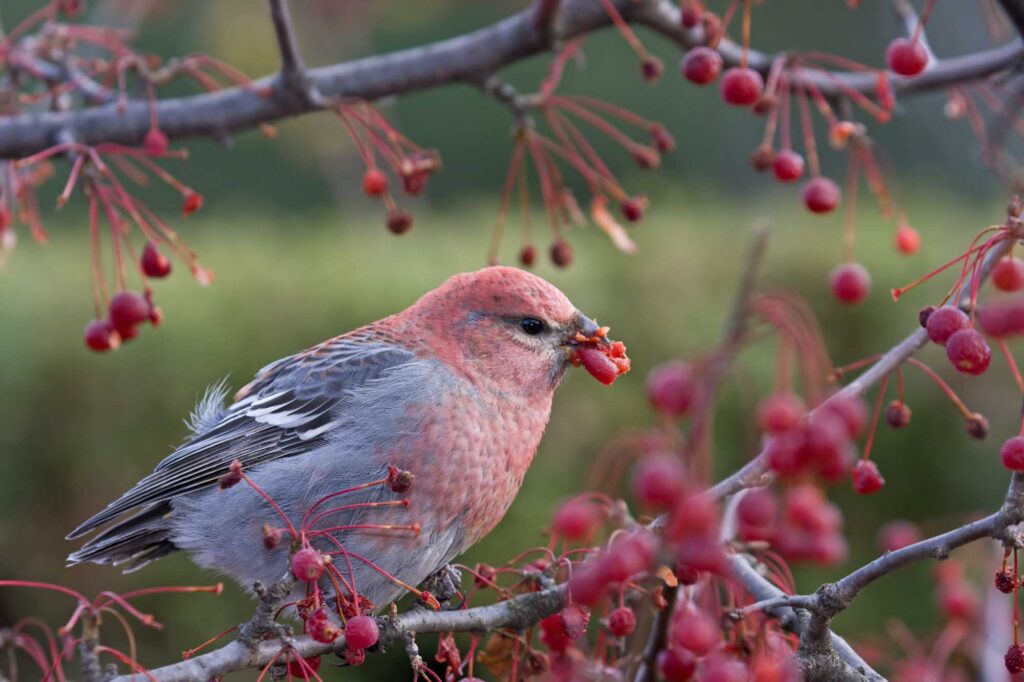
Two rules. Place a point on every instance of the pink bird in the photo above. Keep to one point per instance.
(455, 389)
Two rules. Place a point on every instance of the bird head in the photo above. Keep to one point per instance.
(510, 330)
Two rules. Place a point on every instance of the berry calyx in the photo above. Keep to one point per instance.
(1005, 580)
(701, 65)
(788, 166)
(820, 195)
(944, 322)
(1014, 659)
(968, 351)
(906, 57)
(191, 201)
(622, 621)
(154, 263)
(101, 336)
(850, 283)
(1008, 275)
(1012, 453)
(361, 632)
(307, 565)
(866, 478)
(741, 86)
(375, 182)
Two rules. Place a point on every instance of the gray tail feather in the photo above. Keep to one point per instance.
(135, 541)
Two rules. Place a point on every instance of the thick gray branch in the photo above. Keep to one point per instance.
(470, 58)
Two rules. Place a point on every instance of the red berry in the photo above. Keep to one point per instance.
(723, 669)
(659, 480)
(191, 201)
(780, 412)
(361, 632)
(850, 410)
(128, 309)
(676, 665)
(762, 158)
(906, 57)
(155, 142)
(820, 195)
(897, 414)
(528, 256)
(307, 565)
(101, 336)
(398, 221)
(977, 426)
(633, 208)
(908, 240)
(1008, 275)
(622, 621)
(1005, 580)
(696, 631)
(651, 69)
(559, 631)
(662, 139)
(850, 283)
(968, 351)
(672, 388)
(741, 86)
(154, 263)
(897, 535)
(561, 253)
(944, 322)
(757, 513)
(1012, 453)
(788, 166)
(690, 16)
(596, 361)
(576, 519)
(375, 183)
(866, 478)
(701, 65)
(1014, 658)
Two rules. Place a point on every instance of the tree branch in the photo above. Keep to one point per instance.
(755, 473)
(469, 58)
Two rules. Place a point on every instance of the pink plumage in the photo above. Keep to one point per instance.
(456, 389)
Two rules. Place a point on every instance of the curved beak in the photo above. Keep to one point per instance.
(584, 330)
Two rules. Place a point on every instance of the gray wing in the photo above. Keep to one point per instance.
(287, 410)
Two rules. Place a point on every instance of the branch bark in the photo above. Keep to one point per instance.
(469, 58)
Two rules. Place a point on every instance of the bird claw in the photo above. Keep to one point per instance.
(443, 585)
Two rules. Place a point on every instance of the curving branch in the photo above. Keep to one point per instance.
(470, 58)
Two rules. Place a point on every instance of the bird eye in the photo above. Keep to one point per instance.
(532, 326)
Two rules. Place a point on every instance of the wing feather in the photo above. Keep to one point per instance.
(289, 409)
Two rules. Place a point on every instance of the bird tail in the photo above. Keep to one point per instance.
(135, 541)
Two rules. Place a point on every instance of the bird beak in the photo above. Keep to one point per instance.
(584, 330)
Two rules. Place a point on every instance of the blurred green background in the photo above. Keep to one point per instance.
(300, 255)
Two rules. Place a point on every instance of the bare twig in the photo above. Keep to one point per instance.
(293, 70)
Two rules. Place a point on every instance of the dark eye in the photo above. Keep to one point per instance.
(532, 326)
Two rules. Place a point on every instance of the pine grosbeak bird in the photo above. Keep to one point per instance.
(456, 389)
